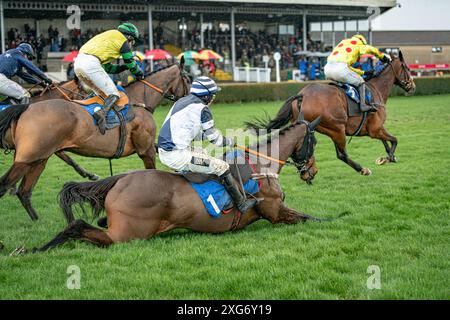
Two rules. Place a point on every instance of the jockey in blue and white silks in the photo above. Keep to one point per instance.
(16, 62)
(189, 118)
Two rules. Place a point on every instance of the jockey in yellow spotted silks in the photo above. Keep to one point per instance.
(94, 63)
(345, 54)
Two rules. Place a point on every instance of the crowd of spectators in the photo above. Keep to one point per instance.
(254, 49)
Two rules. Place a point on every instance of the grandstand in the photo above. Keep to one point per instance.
(227, 26)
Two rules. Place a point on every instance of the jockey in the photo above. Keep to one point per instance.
(93, 64)
(339, 66)
(13, 62)
(189, 118)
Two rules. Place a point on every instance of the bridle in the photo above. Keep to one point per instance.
(165, 94)
(404, 84)
(300, 157)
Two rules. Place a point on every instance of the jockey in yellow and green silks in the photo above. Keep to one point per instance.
(94, 63)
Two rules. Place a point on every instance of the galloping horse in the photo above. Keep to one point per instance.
(68, 90)
(41, 129)
(142, 204)
(330, 103)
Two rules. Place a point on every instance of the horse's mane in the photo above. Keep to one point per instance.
(159, 70)
(270, 137)
(151, 74)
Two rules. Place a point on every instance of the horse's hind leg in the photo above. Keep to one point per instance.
(12, 176)
(82, 172)
(78, 230)
(338, 138)
(27, 185)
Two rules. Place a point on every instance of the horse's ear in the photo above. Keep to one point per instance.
(182, 62)
(315, 122)
(400, 55)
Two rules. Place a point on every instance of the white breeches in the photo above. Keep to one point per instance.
(340, 72)
(90, 71)
(187, 160)
(12, 89)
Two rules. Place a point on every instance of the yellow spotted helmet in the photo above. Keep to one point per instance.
(361, 38)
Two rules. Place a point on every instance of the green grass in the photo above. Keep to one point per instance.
(399, 221)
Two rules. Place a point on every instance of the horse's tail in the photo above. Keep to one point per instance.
(288, 112)
(81, 192)
(7, 117)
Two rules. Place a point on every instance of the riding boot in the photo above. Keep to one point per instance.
(362, 97)
(100, 115)
(242, 204)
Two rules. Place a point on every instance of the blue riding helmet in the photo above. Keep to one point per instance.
(26, 49)
(204, 86)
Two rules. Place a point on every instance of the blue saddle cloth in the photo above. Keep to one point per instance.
(216, 198)
(353, 93)
(112, 120)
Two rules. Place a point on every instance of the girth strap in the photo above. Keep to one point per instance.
(122, 135)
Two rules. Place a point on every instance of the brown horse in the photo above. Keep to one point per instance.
(41, 129)
(142, 204)
(330, 103)
(69, 90)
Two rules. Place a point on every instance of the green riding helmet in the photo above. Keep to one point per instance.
(129, 29)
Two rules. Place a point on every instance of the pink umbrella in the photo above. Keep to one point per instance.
(71, 56)
(157, 54)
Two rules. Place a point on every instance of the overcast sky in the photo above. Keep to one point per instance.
(415, 15)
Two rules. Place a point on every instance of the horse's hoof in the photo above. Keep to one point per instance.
(94, 177)
(18, 251)
(381, 160)
(393, 159)
(366, 172)
(2, 246)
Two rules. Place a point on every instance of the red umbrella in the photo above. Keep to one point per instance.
(71, 56)
(157, 54)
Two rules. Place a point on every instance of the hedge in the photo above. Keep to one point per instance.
(248, 92)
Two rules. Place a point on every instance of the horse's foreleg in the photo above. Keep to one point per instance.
(385, 137)
(26, 187)
(82, 172)
(78, 230)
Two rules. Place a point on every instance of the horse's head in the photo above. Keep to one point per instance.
(402, 74)
(180, 85)
(303, 155)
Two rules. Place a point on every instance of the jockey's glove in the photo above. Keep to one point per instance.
(47, 81)
(139, 75)
(386, 59)
(369, 73)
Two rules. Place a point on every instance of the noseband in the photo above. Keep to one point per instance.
(303, 155)
(404, 84)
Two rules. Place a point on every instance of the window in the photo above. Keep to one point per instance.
(286, 29)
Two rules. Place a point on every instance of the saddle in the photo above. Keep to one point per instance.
(118, 116)
(121, 109)
(120, 104)
(212, 193)
(353, 98)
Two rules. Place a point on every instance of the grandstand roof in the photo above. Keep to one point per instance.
(367, 3)
(317, 10)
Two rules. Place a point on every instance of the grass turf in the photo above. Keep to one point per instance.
(399, 221)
